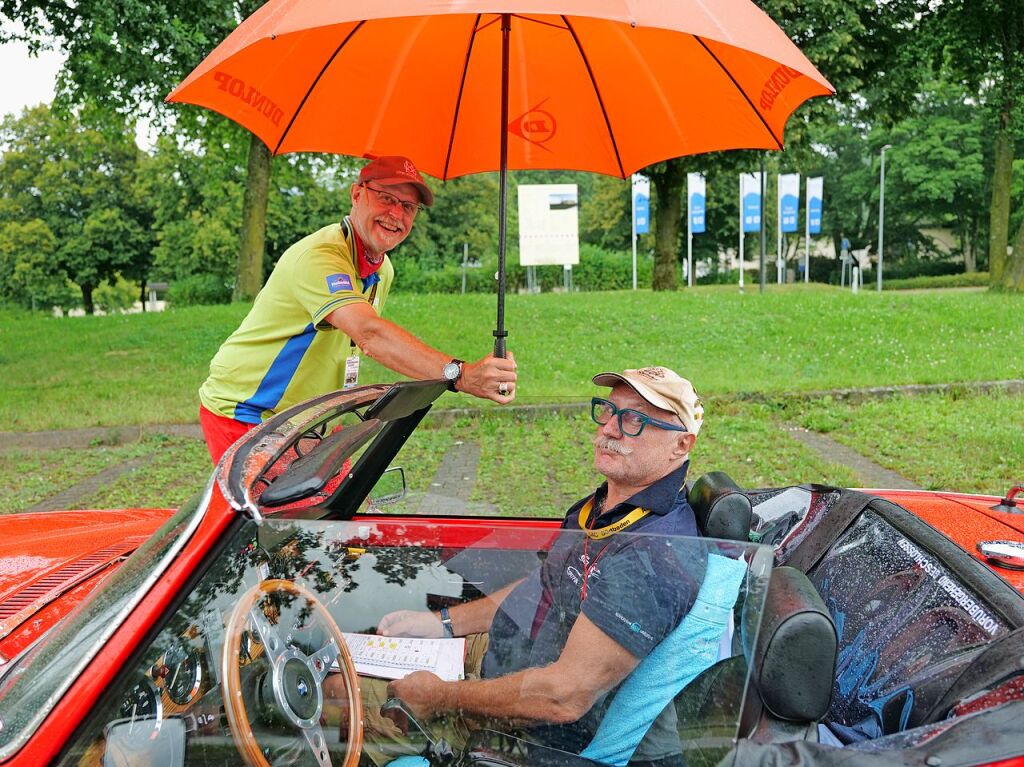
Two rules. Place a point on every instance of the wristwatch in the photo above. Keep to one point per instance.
(451, 372)
(446, 623)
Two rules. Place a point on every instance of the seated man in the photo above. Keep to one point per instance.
(548, 651)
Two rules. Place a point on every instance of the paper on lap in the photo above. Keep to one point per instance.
(396, 657)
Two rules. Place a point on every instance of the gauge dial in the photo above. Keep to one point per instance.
(185, 679)
(142, 702)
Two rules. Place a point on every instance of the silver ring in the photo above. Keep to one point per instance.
(503, 389)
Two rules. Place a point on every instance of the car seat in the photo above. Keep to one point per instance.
(722, 509)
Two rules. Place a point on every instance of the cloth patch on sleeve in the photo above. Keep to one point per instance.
(339, 282)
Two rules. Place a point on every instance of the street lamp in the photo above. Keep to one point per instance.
(881, 215)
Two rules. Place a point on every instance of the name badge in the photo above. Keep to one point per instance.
(351, 371)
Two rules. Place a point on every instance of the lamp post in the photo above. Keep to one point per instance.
(881, 215)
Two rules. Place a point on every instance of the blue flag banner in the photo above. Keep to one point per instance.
(750, 201)
(641, 203)
(814, 195)
(696, 191)
(789, 201)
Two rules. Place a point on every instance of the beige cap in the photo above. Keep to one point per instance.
(662, 388)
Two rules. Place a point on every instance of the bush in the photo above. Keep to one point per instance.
(911, 266)
(199, 289)
(117, 296)
(962, 280)
(598, 269)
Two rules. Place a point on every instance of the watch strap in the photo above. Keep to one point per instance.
(453, 381)
(446, 623)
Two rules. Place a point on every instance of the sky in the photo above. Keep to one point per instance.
(30, 80)
(27, 80)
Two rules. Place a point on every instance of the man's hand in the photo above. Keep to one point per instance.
(410, 623)
(421, 692)
(492, 378)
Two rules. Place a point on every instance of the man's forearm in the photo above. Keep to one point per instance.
(399, 350)
(475, 617)
(531, 695)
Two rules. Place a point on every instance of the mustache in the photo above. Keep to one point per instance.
(612, 445)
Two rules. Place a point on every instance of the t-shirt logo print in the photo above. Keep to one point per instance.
(339, 282)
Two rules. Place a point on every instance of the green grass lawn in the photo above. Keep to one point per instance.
(526, 467)
(965, 442)
(108, 371)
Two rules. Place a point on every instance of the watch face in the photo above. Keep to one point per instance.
(451, 371)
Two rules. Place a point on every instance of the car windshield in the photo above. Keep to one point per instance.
(276, 650)
(32, 682)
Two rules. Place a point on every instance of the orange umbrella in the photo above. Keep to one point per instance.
(608, 86)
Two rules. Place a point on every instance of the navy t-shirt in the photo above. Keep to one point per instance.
(639, 585)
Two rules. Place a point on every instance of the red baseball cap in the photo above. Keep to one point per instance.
(389, 170)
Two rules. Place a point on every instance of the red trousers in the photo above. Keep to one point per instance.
(219, 432)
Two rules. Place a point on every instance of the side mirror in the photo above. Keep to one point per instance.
(390, 488)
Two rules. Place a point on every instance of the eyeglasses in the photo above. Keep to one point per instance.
(388, 200)
(631, 422)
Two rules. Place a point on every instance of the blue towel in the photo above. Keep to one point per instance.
(409, 761)
(678, 659)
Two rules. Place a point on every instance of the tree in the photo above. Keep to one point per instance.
(126, 57)
(77, 179)
(981, 42)
(29, 277)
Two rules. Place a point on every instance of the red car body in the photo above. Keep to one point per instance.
(52, 564)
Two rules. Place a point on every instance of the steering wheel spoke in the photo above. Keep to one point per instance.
(295, 684)
(274, 645)
(317, 745)
(323, 659)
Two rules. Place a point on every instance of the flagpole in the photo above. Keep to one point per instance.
(741, 233)
(499, 332)
(689, 238)
(632, 198)
(807, 231)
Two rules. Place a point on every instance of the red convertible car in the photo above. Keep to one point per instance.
(846, 627)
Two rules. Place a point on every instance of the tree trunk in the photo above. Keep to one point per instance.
(90, 307)
(142, 295)
(668, 185)
(249, 279)
(1013, 270)
(999, 210)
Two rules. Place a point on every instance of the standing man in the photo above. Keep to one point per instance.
(322, 305)
(556, 644)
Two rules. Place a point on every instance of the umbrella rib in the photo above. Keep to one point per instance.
(458, 101)
(315, 82)
(597, 92)
(740, 89)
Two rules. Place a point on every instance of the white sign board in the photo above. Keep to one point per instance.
(548, 224)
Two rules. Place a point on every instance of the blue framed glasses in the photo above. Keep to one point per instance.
(631, 422)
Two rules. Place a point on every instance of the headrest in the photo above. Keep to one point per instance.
(721, 507)
(797, 646)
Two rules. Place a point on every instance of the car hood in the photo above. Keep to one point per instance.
(52, 560)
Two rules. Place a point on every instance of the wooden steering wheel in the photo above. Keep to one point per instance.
(295, 685)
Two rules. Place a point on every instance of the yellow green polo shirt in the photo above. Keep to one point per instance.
(285, 351)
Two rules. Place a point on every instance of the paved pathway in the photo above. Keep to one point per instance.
(70, 497)
(869, 473)
(453, 481)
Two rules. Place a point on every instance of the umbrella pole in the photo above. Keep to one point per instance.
(500, 333)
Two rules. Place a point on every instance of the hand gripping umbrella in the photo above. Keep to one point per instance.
(465, 86)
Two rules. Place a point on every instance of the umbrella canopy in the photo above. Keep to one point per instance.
(608, 86)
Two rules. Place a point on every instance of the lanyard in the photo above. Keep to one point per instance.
(601, 533)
